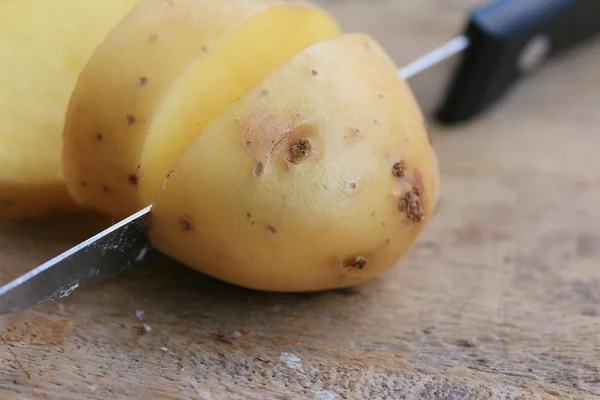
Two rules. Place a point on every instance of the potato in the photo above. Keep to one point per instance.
(44, 44)
(133, 112)
(320, 176)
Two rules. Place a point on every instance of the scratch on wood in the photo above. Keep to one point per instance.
(15, 357)
(500, 281)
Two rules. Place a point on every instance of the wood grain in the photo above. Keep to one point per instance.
(500, 297)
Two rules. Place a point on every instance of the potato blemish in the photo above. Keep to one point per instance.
(263, 133)
(99, 137)
(410, 204)
(398, 169)
(130, 120)
(142, 80)
(186, 223)
(299, 150)
(351, 187)
(133, 179)
(271, 230)
(358, 262)
(7, 202)
(257, 170)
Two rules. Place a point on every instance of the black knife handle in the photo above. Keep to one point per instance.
(508, 39)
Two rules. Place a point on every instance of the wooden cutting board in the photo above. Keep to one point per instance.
(499, 298)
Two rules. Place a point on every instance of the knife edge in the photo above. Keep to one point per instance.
(102, 256)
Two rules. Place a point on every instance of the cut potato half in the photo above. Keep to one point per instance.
(320, 177)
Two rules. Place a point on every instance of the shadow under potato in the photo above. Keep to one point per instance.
(159, 275)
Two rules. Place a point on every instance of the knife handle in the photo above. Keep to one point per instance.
(507, 40)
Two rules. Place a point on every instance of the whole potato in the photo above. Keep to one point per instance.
(44, 44)
(116, 140)
(320, 176)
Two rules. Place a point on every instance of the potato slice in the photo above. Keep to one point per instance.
(43, 47)
(319, 177)
(143, 68)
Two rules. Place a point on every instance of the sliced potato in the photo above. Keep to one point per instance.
(43, 47)
(129, 95)
(321, 176)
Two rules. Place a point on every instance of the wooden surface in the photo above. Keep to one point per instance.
(500, 297)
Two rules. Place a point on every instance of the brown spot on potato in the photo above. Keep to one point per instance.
(99, 137)
(130, 120)
(105, 189)
(83, 183)
(266, 131)
(299, 150)
(154, 37)
(133, 179)
(186, 223)
(7, 202)
(264, 92)
(398, 169)
(314, 72)
(351, 187)
(410, 204)
(355, 131)
(142, 80)
(358, 262)
(271, 230)
(257, 170)
(380, 96)
(247, 143)
(376, 122)
(170, 173)
(248, 215)
(204, 50)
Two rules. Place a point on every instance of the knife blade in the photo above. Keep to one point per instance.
(503, 41)
(106, 254)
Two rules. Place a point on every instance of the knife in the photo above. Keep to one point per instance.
(502, 42)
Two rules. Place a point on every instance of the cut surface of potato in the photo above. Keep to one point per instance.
(144, 61)
(319, 177)
(237, 61)
(43, 47)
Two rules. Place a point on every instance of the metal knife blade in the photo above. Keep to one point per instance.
(120, 247)
(107, 254)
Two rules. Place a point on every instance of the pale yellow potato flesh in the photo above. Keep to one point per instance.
(238, 61)
(133, 71)
(44, 44)
(319, 177)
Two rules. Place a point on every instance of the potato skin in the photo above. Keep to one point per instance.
(320, 177)
(120, 87)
